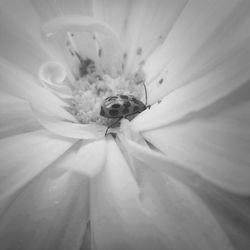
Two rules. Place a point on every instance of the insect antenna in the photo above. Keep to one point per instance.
(111, 125)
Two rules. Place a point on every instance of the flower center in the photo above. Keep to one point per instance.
(99, 68)
(92, 87)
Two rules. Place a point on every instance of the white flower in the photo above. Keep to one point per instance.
(176, 176)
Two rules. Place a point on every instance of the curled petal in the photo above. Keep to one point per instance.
(78, 23)
(18, 83)
(53, 76)
(52, 72)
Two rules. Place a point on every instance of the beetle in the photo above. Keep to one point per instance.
(122, 106)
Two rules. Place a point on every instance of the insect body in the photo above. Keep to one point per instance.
(121, 106)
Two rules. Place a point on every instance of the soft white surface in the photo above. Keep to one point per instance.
(16, 116)
(168, 216)
(139, 199)
(49, 213)
(214, 143)
(87, 158)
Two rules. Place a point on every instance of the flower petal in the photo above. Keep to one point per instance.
(65, 128)
(120, 220)
(214, 143)
(18, 83)
(99, 34)
(158, 161)
(233, 218)
(141, 25)
(53, 76)
(25, 156)
(227, 78)
(219, 67)
(78, 23)
(81, 7)
(230, 210)
(21, 42)
(88, 158)
(22, 85)
(204, 36)
(16, 117)
(128, 130)
(49, 9)
(51, 212)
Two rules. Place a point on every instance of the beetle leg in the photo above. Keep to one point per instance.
(131, 114)
(111, 125)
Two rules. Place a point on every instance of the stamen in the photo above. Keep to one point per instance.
(89, 94)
